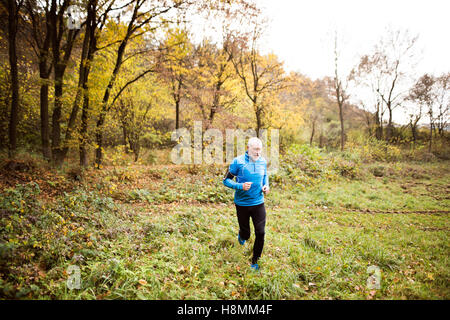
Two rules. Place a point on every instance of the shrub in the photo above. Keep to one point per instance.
(32, 234)
(369, 149)
(305, 166)
(117, 156)
(346, 168)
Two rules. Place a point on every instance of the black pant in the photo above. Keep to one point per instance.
(258, 215)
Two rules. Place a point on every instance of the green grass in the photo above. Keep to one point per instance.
(171, 233)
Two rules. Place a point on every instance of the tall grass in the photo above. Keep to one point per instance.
(138, 232)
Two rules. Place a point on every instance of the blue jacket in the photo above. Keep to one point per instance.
(245, 170)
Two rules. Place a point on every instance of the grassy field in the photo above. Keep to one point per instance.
(170, 232)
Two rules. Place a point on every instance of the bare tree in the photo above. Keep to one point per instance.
(415, 111)
(366, 76)
(260, 76)
(13, 9)
(423, 93)
(315, 113)
(340, 89)
(369, 117)
(390, 56)
(443, 101)
(385, 71)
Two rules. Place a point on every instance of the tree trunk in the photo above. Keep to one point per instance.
(44, 74)
(87, 53)
(177, 113)
(369, 124)
(414, 134)
(258, 123)
(177, 97)
(89, 50)
(321, 139)
(56, 117)
(312, 132)
(59, 66)
(57, 77)
(105, 107)
(389, 128)
(83, 133)
(125, 135)
(99, 141)
(136, 147)
(440, 125)
(14, 115)
(431, 136)
(258, 114)
(381, 129)
(45, 130)
(216, 100)
(378, 126)
(341, 118)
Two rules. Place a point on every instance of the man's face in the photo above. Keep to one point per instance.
(254, 151)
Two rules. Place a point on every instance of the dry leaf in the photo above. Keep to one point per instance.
(142, 282)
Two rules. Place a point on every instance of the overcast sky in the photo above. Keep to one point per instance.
(300, 32)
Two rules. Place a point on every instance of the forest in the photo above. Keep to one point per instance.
(91, 94)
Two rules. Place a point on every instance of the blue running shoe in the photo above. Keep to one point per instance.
(254, 266)
(241, 242)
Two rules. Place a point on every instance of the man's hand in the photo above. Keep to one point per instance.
(246, 186)
(265, 189)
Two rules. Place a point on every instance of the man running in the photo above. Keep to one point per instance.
(250, 170)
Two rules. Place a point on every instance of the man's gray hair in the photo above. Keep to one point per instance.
(254, 141)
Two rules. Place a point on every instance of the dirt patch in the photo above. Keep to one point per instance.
(374, 211)
(382, 171)
(51, 184)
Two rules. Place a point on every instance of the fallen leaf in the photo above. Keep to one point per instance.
(143, 282)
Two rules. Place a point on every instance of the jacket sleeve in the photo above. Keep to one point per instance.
(266, 176)
(230, 174)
